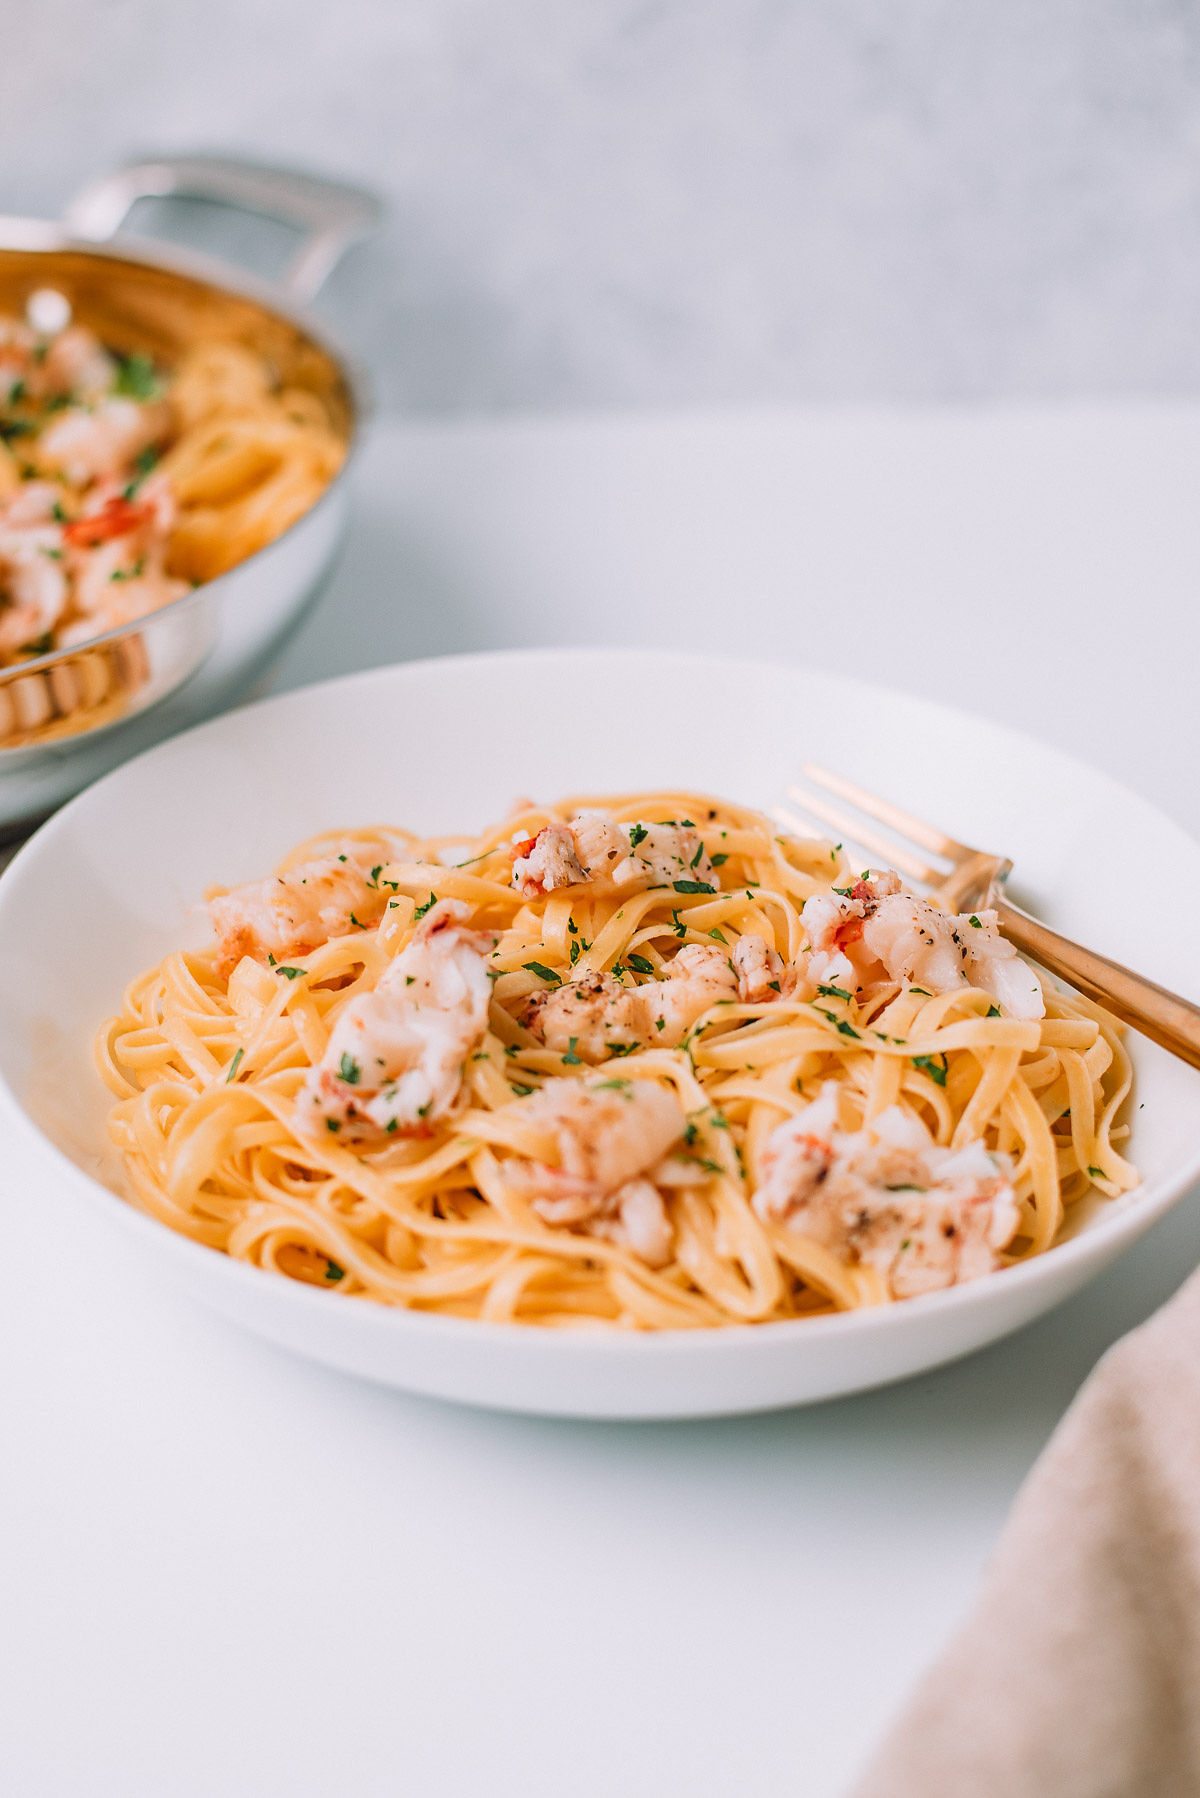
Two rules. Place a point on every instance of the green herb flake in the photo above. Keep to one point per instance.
(136, 379)
(1097, 1173)
(349, 1070)
(834, 992)
(291, 973)
(693, 886)
(571, 1059)
(840, 1024)
(718, 936)
(637, 834)
(640, 962)
(973, 921)
(543, 972)
(334, 1272)
(428, 906)
(993, 1011)
(522, 1092)
(933, 1065)
(234, 1065)
(718, 861)
(333, 1125)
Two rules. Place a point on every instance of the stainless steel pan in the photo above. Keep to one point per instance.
(63, 716)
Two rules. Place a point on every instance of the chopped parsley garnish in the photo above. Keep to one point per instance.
(349, 1070)
(689, 1135)
(373, 877)
(696, 858)
(718, 935)
(334, 1272)
(136, 378)
(291, 973)
(974, 922)
(1097, 1173)
(575, 950)
(341, 858)
(693, 886)
(39, 646)
(234, 1065)
(571, 1059)
(833, 992)
(622, 1048)
(332, 1124)
(718, 861)
(611, 1086)
(637, 834)
(129, 574)
(522, 1092)
(993, 1011)
(357, 925)
(933, 1065)
(57, 513)
(143, 463)
(543, 972)
(640, 963)
(660, 1023)
(840, 1024)
(921, 990)
(428, 906)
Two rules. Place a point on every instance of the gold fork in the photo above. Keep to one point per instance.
(975, 881)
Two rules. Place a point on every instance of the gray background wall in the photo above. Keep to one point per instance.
(658, 201)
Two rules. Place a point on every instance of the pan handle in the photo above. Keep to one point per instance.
(331, 215)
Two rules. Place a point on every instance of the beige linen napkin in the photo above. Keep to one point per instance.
(1078, 1674)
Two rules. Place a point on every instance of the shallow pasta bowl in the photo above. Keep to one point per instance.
(111, 883)
(73, 713)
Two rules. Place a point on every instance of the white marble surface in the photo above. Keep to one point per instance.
(229, 1572)
(648, 202)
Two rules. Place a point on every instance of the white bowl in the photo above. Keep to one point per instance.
(110, 883)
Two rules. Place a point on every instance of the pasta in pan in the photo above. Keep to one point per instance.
(636, 1062)
(124, 484)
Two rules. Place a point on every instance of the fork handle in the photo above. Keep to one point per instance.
(1161, 1015)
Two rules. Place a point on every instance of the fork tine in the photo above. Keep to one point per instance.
(893, 854)
(935, 840)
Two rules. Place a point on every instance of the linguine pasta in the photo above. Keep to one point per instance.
(634, 1062)
(123, 484)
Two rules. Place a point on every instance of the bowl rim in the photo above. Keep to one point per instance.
(1130, 1215)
